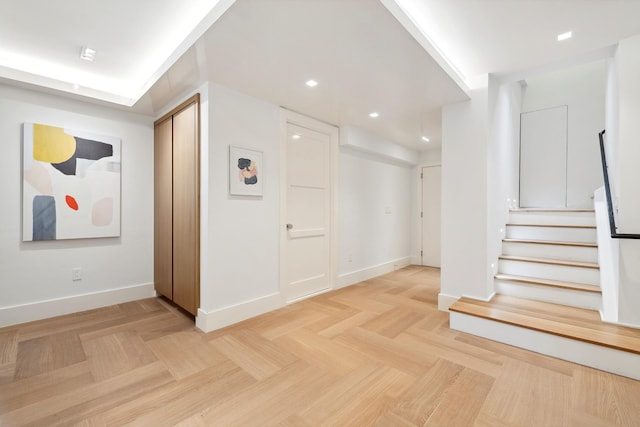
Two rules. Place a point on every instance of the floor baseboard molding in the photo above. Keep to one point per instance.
(72, 304)
(358, 276)
(445, 301)
(208, 321)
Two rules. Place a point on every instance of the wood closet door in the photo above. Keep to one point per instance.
(163, 209)
(186, 230)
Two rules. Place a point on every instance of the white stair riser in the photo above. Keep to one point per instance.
(588, 276)
(599, 357)
(570, 297)
(580, 235)
(533, 250)
(554, 218)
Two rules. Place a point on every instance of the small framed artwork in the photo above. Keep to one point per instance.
(245, 172)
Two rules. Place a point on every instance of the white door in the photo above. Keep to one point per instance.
(431, 216)
(306, 251)
(543, 158)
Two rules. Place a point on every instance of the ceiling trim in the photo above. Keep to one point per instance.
(418, 33)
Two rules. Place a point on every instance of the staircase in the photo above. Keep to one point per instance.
(548, 295)
(551, 256)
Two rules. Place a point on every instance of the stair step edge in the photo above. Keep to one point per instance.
(551, 242)
(571, 226)
(565, 263)
(579, 333)
(553, 210)
(548, 282)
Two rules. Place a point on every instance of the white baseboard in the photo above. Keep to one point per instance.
(416, 260)
(445, 301)
(208, 321)
(57, 307)
(358, 276)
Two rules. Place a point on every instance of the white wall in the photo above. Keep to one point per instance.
(374, 210)
(582, 88)
(35, 277)
(505, 106)
(611, 126)
(464, 200)
(627, 64)
(243, 248)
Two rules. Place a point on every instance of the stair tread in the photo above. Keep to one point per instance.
(568, 263)
(569, 322)
(552, 210)
(551, 242)
(550, 282)
(510, 224)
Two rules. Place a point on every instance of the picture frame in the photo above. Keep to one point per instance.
(246, 172)
(70, 184)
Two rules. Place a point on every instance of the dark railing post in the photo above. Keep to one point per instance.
(607, 190)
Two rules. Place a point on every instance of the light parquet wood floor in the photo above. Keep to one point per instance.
(374, 354)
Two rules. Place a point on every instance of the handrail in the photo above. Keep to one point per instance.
(607, 190)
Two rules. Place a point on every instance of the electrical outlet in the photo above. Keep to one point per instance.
(76, 274)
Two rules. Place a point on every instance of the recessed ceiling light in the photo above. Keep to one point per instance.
(296, 136)
(87, 54)
(564, 36)
(311, 83)
(374, 115)
(425, 139)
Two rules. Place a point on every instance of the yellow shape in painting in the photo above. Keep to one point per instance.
(51, 144)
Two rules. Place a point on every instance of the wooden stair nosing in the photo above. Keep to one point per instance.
(551, 242)
(577, 316)
(580, 333)
(548, 282)
(566, 263)
(572, 226)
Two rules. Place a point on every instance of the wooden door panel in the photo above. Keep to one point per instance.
(163, 202)
(186, 265)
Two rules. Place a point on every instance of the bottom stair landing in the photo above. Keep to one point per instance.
(568, 333)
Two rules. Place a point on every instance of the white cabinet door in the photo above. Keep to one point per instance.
(543, 158)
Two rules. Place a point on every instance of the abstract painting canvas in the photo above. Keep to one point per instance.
(71, 184)
(245, 172)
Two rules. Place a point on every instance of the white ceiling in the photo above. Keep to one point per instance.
(364, 57)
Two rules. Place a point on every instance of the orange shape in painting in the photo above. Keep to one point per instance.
(71, 202)
(51, 144)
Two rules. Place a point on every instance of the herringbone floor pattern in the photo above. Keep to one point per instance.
(377, 353)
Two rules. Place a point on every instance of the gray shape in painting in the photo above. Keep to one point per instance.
(44, 218)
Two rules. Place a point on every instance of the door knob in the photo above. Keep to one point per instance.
(289, 226)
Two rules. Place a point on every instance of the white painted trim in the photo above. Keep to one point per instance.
(358, 276)
(626, 325)
(608, 259)
(487, 299)
(445, 301)
(222, 317)
(287, 116)
(595, 356)
(72, 304)
(416, 260)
